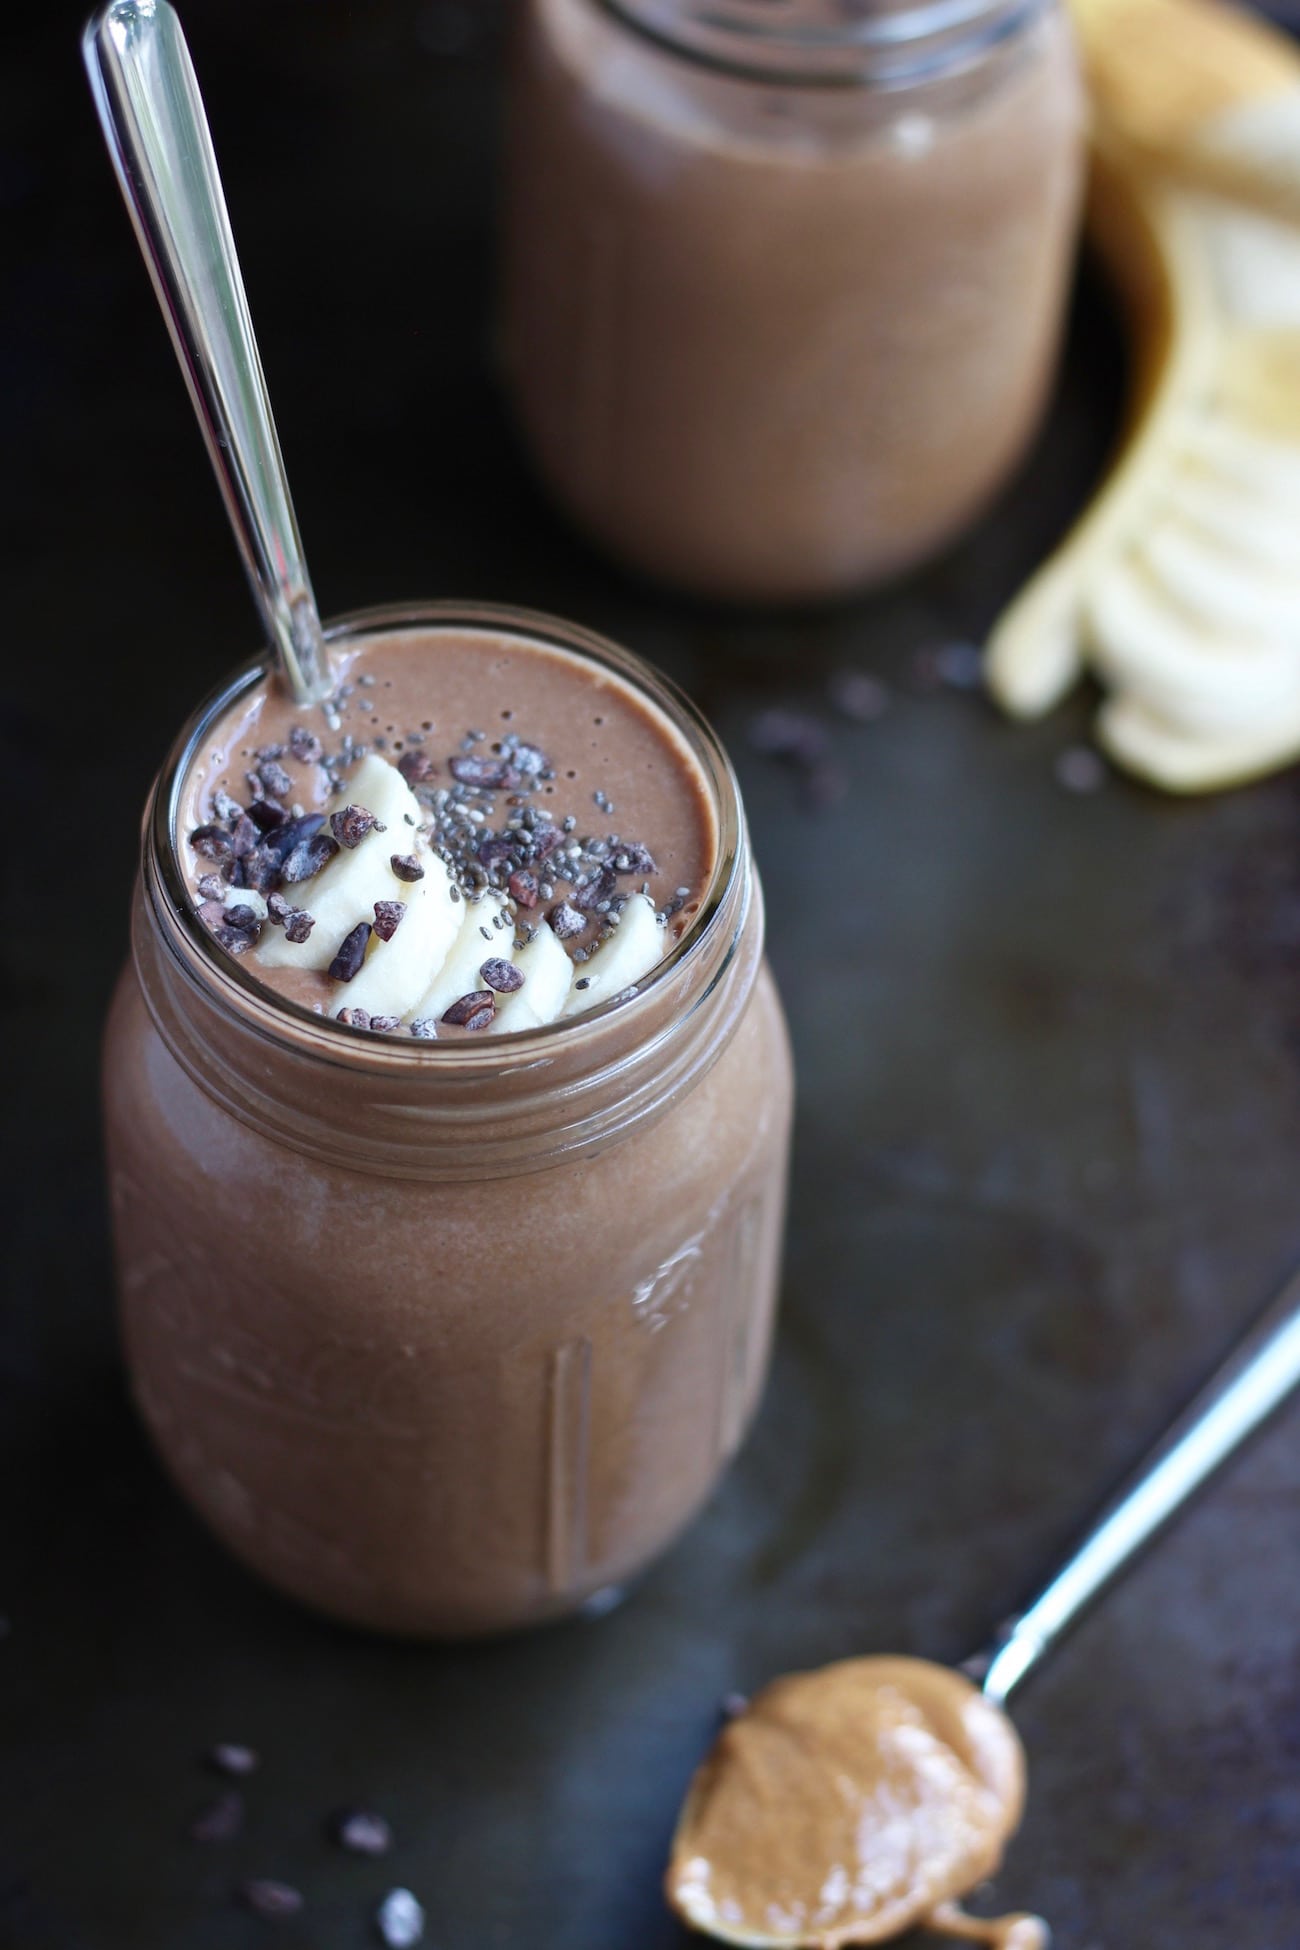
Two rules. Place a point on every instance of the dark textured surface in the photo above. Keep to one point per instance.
(1045, 1161)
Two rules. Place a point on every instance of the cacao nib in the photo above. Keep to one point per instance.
(268, 815)
(416, 767)
(298, 925)
(245, 837)
(522, 886)
(354, 1018)
(406, 866)
(307, 859)
(500, 975)
(473, 1011)
(388, 918)
(293, 832)
(352, 952)
(261, 870)
(493, 853)
(566, 920)
(305, 745)
(275, 780)
(545, 840)
(350, 826)
(384, 1025)
(600, 887)
(490, 774)
(211, 843)
(225, 807)
(635, 859)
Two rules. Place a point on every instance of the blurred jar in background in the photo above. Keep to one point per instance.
(784, 279)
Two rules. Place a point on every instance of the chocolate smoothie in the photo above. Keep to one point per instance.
(444, 1331)
(781, 312)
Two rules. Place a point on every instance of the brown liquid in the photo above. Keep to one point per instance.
(771, 342)
(600, 737)
(849, 1804)
(444, 1337)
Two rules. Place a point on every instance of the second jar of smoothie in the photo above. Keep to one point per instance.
(448, 1101)
(784, 279)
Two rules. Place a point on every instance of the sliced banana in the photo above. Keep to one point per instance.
(548, 974)
(475, 941)
(345, 891)
(630, 952)
(1198, 680)
(395, 973)
(1180, 583)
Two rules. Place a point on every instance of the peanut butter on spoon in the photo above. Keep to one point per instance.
(846, 1805)
(849, 1804)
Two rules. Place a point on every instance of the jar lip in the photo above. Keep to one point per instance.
(889, 44)
(274, 1016)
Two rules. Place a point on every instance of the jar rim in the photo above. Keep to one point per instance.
(279, 1019)
(887, 44)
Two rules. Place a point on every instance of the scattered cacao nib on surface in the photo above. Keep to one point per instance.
(350, 826)
(424, 1029)
(385, 1025)
(362, 1833)
(858, 696)
(779, 733)
(275, 780)
(490, 774)
(400, 1920)
(221, 1821)
(416, 767)
(235, 935)
(230, 1758)
(354, 1018)
(406, 867)
(212, 886)
(306, 860)
(298, 925)
(530, 760)
(545, 840)
(246, 919)
(388, 918)
(494, 852)
(522, 887)
(1081, 770)
(500, 975)
(271, 1899)
(602, 885)
(212, 843)
(305, 745)
(472, 1011)
(352, 952)
(225, 807)
(566, 920)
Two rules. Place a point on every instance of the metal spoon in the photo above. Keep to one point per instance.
(157, 133)
(1259, 1374)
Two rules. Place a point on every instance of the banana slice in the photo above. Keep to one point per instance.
(636, 944)
(1160, 753)
(345, 891)
(1197, 680)
(474, 942)
(1220, 592)
(1246, 526)
(395, 973)
(548, 973)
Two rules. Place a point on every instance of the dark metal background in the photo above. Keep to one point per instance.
(1045, 1166)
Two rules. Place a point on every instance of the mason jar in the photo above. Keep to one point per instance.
(445, 1337)
(784, 279)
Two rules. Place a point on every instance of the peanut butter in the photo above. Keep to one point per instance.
(849, 1804)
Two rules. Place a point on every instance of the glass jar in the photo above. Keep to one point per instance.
(444, 1338)
(784, 279)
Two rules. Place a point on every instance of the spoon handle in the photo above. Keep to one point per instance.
(1255, 1379)
(152, 116)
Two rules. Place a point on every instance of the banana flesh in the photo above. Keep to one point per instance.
(1179, 587)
